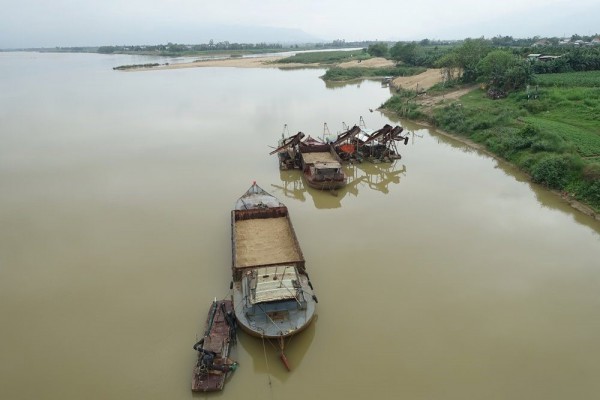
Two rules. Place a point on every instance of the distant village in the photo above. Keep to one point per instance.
(213, 45)
(595, 41)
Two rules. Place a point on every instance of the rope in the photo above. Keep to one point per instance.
(266, 361)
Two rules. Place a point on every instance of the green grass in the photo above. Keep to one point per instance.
(551, 132)
(343, 74)
(326, 57)
(571, 79)
(586, 143)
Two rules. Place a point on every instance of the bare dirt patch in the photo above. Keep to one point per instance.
(422, 81)
(428, 102)
(376, 62)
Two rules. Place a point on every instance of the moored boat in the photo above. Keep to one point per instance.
(322, 171)
(272, 295)
(214, 365)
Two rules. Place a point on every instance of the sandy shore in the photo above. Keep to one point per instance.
(236, 62)
(265, 62)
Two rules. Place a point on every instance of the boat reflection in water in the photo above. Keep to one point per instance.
(362, 176)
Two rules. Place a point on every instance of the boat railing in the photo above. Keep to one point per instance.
(254, 213)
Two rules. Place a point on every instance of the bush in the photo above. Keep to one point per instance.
(553, 170)
(591, 171)
(507, 143)
(343, 74)
(548, 142)
(590, 193)
(378, 50)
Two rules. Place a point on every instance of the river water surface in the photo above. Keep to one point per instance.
(445, 275)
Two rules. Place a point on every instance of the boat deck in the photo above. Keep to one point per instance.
(318, 157)
(216, 339)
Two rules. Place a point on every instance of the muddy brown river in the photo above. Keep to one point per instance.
(445, 275)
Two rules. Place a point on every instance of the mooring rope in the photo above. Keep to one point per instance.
(266, 361)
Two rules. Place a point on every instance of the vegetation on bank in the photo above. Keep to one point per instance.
(338, 74)
(539, 114)
(134, 66)
(326, 57)
(551, 131)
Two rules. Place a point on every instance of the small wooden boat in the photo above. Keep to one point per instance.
(214, 365)
(272, 295)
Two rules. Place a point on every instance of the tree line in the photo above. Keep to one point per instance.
(183, 48)
(499, 64)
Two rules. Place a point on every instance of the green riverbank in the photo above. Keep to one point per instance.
(550, 130)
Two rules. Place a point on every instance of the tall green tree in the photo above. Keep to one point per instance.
(378, 50)
(405, 52)
(469, 54)
(502, 71)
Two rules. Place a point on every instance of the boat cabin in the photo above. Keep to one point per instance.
(321, 171)
(273, 291)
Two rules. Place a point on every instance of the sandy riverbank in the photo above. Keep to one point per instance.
(266, 62)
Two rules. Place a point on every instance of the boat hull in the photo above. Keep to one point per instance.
(324, 185)
(210, 372)
(289, 323)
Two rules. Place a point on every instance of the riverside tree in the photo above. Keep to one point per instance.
(503, 72)
(465, 58)
(405, 52)
(378, 50)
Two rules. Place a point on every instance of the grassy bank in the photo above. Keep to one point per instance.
(551, 130)
(337, 74)
(326, 57)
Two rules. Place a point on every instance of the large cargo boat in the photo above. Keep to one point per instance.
(273, 297)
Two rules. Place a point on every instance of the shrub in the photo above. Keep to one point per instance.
(548, 142)
(591, 171)
(553, 170)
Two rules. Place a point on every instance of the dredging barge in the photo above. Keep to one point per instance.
(320, 165)
(353, 145)
(273, 297)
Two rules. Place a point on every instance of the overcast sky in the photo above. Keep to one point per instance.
(49, 23)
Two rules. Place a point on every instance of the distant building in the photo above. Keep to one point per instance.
(541, 43)
(540, 57)
(547, 58)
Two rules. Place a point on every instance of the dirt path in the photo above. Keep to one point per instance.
(376, 62)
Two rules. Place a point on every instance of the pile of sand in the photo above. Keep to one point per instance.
(264, 241)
